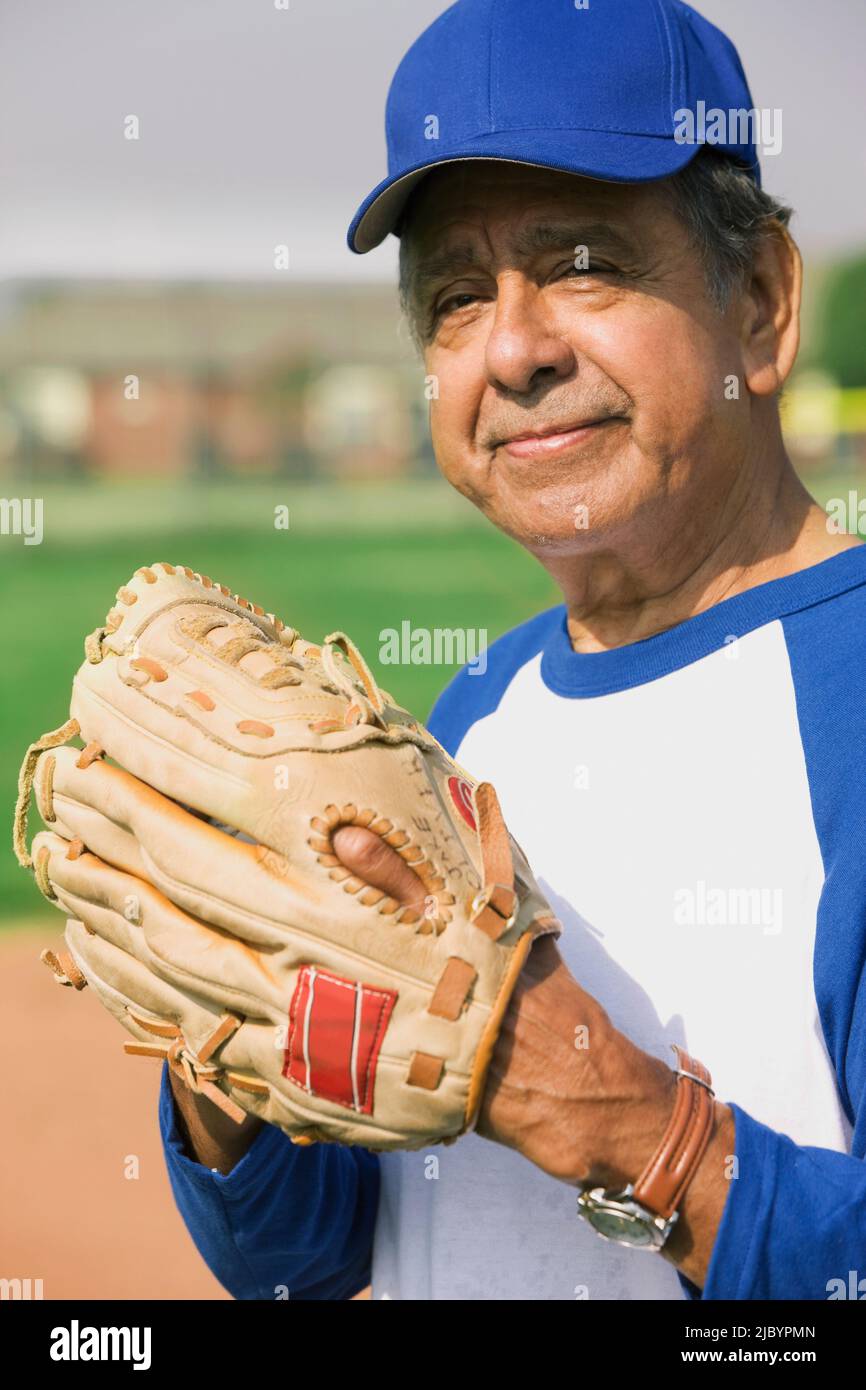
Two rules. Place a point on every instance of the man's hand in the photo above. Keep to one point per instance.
(577, 1098)
(561, 1074)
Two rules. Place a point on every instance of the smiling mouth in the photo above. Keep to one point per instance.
(533, 445)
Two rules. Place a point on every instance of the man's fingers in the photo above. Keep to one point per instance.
(368, 856)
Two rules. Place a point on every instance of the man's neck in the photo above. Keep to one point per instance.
(774, 531)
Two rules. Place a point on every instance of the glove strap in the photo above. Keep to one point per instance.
(495, 906)
(371, 706)
(66, 972)
(195, 1068)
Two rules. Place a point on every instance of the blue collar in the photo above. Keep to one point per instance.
(570, 673)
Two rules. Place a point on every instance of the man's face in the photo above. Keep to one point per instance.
(625, 358)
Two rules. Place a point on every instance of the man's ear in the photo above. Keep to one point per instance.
(771, 312)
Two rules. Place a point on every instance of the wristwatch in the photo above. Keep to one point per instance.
(643, 1214)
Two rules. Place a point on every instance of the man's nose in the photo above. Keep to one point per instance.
(524, 339)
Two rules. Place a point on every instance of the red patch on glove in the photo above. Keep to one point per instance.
(336, 1028)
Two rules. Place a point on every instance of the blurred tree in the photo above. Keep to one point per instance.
(841, 341)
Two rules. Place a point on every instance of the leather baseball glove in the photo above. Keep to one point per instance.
(198, 845)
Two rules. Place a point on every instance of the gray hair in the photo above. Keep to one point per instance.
(725, 213)
(727, 216)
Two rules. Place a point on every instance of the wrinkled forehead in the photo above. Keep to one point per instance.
(487, 194)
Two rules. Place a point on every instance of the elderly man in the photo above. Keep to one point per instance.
(607, 316)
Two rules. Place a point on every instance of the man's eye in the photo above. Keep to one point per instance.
(454, 302)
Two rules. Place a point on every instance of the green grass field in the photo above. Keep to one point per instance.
(362, 558)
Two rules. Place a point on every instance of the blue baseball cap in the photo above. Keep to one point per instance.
(591, 90)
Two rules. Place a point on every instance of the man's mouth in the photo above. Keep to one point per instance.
(543, 443)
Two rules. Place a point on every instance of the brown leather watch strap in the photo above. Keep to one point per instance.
(664, 1180)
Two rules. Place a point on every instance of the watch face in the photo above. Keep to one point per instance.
(619, 1226)
(616, 1217)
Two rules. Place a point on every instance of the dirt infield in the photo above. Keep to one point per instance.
(76, 1111)
(75, 1108)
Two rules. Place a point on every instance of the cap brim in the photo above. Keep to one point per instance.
(598, 154)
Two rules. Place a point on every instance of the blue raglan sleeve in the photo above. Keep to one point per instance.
(286, 1222)
(794, 1223)
(475, 692)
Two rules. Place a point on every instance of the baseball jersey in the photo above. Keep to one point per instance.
(693, 805)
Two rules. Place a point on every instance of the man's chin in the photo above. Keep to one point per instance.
(565, 520)
(548, 535)
(547, 545)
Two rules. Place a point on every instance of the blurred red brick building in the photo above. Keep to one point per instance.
(116, 379)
